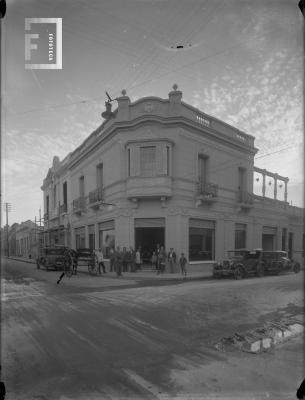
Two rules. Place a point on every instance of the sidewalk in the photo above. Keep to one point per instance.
(139, 275)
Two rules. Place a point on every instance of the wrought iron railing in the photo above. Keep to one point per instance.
(79, 204)
(207, 189)
(96, 195)
(63, 208)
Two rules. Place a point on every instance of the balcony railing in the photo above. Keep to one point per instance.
(53, 214)
(79, 205)
(96, 196)
(46, 216)
(245, 198)
(207, 190)
(63, 208)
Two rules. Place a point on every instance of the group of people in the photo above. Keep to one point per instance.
(159, 258)
(129, 260)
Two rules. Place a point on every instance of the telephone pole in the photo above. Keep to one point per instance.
(8, 207)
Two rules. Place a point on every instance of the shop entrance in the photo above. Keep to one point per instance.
(147, 239)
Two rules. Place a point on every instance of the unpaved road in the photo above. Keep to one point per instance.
(114, 341)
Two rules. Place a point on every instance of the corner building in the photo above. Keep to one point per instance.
(161, 171)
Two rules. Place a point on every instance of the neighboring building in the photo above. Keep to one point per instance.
(27, 239)
(174, 176)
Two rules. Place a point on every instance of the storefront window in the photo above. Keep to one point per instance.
(240, 236)
(80, 239)
(201, 240)
(107, 241)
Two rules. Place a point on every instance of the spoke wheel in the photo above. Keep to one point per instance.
(92, 268)
(260, 270)
(68, 269)
(296, 268)
(238, 273)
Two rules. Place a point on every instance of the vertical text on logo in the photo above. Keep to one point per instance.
(31, 45)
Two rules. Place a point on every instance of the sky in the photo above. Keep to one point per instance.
(241, 62)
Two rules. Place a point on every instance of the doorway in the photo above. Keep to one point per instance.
(147, 239)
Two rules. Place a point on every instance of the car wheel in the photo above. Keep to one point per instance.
(238, 273)
(260, 270)
(296, 268)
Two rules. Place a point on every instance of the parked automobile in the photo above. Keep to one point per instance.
(55, 257)
(240, 263)
(277, 261)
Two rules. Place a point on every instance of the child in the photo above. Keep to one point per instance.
(182, 262)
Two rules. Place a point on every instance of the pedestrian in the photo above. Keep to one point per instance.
(182, 262)
(118, 261)
(111, 257)
(154, 260)
(171, 258)
(157, 254)
(73, 258)
(131, 260)
(161, 260)
(125, 259)
(138, 259)
(100, 261)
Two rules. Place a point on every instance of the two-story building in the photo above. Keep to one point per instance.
(159, 171)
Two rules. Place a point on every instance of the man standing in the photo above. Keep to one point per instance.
(125, 260)
(138, 259)
(111, 257)
(118, 261)
(182, 262)
(161, 260)
(171, 258)
(100, 260)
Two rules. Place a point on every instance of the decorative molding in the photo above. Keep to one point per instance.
(148, 107)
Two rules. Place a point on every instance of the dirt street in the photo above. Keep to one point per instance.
(114, 339)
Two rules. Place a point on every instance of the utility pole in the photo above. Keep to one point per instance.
(8, 207)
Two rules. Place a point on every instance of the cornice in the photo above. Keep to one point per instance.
(165, 121)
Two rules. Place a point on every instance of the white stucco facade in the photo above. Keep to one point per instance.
(169, 173)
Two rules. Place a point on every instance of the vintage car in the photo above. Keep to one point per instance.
(240, 263)
(277, 261)
(53, 257)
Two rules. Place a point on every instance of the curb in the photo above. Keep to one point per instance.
(171, 278)
(262, 339)
(29, 261)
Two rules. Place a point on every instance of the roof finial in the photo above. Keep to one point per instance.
(124, 92)
(175, 86)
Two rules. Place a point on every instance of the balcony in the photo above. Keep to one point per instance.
(245, 199)
(54, 214)
(63, 208)
(206, 192)
(79, 205)
(96, 197)
(149, 187)
(46, 217)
